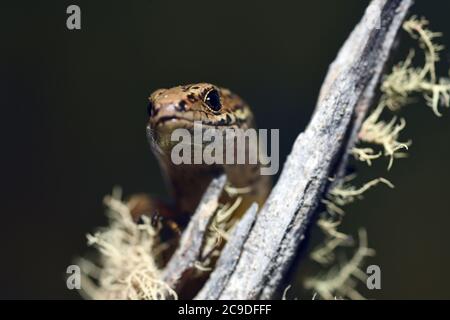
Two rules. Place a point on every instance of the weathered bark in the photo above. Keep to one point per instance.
(229, 257)
(183, 260)
(258, 255)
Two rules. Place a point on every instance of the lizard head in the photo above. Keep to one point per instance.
(179, 107)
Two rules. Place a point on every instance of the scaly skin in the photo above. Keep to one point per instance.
(214, 107)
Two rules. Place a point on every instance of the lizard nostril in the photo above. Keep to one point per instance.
(181, 106)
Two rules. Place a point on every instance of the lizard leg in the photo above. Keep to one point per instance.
(155, 209)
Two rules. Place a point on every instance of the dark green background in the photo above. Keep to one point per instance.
(73, 120)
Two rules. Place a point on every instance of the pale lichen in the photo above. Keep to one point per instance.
(223, 221)
(325, 254)
(386, 134)
(346, 193)
(341, 280)
(329, 221)
(398, 89)
(406, 80)
(128, 259)
(365, 154)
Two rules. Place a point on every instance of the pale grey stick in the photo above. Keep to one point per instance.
(191, 243)
(281, 224)
(229, 257)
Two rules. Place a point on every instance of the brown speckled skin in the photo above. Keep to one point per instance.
(179, 107)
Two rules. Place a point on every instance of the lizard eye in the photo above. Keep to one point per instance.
(212, 99)
(150, 109)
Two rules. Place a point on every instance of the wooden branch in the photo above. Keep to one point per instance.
(229, 257)
(183, 260)
(367, 99)
(255, 259)
(280, 226)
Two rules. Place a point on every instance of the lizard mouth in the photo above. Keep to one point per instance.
(172, 122)
(163, 120)
(166, 124)
(159, 131)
